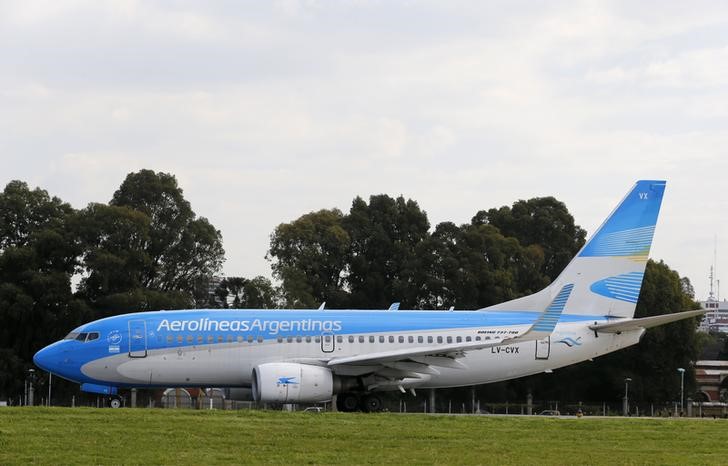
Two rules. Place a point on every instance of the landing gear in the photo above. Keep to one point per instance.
(347, 402)
(115, 401)
(350, 402)
(371, 404)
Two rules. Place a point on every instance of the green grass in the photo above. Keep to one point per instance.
(144, 436)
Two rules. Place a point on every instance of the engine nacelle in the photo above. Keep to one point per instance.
(292, 383)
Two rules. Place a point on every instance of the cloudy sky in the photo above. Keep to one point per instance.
(267, 110)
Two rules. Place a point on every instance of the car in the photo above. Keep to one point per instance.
(314, 409)
(549, 412)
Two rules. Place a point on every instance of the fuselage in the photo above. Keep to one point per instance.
(203, 348)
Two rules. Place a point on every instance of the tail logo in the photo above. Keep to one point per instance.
(624, 287)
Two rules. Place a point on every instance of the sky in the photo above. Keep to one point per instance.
(265, 111)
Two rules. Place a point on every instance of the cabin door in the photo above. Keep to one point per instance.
(137, 339)
(327, 343)
(543, 348)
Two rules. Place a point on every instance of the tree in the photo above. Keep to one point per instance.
(384, 259)
(477, 266)
(181, 248)
(115, 257)
(543, 222)
(310, 256)
(243, 293)
(38, 256)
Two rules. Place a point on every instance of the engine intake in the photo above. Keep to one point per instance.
(292, 383)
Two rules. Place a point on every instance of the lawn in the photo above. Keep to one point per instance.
(155, 436)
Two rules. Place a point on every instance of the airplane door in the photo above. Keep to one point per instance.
(543, 348)
(327, 343)
(137, 339)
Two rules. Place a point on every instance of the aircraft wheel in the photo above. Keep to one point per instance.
(347, 402)
(115, 402)
(372, 404)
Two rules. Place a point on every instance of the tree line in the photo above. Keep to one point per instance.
(146, 249)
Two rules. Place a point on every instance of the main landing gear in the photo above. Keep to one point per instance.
(350, 402)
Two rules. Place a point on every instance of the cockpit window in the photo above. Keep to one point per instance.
(92, 336)
(81, 336)
(71, 336)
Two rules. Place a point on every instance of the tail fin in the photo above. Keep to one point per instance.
(607, 272)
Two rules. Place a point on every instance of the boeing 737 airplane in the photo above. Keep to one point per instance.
(291, 356)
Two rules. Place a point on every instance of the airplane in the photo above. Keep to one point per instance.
(307, 356)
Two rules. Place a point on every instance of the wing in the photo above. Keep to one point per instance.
(410, 366)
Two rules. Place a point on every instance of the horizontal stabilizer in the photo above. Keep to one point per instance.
(645, 322)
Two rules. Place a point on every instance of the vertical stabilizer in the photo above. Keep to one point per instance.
(607, 272)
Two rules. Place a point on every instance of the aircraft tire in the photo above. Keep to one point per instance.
(115, 402)
(371, 404)
(347, 402)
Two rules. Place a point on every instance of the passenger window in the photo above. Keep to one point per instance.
(429, 339)
(420, 339)
(339, 339)
(371, 338)
(468, 338)
(439, 339)
(401, 339)
(289, 339)
(240, 338)
(219, 338)
(381, 338)
(210, 338)
(280, 339)
(229, 338)
(189, 338)
(410, 339)
(250, 338)
(361, 338)
(260, 338)
(459, 339)
(308, 339)
(179, 338)
(391, 339)
(477, 338)
(487, 338)
(351, 338)
(327, 338)
(170, 338)
(299, 339)
(199, 338)
(449, 339)
(318, 339)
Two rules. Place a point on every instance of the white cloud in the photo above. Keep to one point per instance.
(267, 111)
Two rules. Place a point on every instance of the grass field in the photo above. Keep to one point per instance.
(144, 436)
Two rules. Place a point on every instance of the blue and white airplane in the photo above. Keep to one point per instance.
(291, 356)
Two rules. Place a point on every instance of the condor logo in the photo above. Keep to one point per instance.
(287, 381)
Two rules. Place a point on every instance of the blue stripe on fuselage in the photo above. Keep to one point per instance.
(270, 324)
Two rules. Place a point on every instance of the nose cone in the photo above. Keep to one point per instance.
(45, 358)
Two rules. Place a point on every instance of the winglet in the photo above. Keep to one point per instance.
(394, 307)
(547, 321)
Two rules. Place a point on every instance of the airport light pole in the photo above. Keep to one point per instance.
(625, 408)
(31, 377)
(682, 387)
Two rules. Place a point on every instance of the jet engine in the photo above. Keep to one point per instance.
(292, 383)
